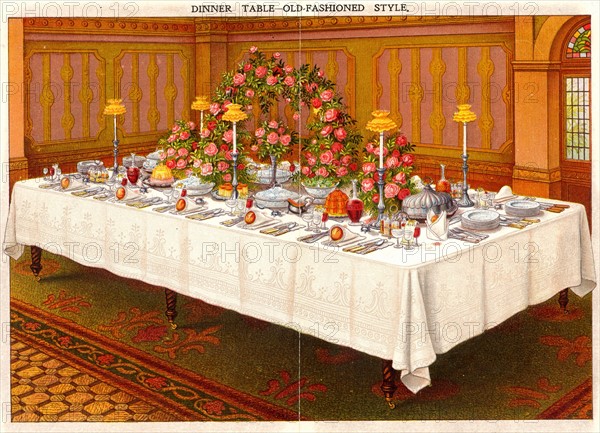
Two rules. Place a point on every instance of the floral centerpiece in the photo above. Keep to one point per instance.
(273, 138)
(399, 163)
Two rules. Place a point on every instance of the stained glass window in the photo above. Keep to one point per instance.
(580, 44)
(577, 127)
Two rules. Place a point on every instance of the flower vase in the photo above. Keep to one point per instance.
(273, 171)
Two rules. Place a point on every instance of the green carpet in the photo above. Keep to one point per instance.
(535, 365)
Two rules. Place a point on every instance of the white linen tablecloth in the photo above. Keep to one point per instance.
(406, 306)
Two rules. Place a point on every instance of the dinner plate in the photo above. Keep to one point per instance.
(161, 184)
(480, 219)
(522, 208)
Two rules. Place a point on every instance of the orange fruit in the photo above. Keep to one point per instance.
(434, 218)
(250, 217)
(336, 233)
(180, 205)
(64, 182)
(120, 193)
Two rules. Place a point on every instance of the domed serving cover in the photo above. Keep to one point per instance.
(417, 205)
(335, 204)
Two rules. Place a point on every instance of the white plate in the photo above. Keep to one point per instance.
(522, 208)
(480, 219)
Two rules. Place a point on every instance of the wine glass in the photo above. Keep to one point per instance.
(240, 206)
(324, 219)
(416, 235)
(317, 218)
(231, 203)
(307, 217)
(45, 171)
(397, 232)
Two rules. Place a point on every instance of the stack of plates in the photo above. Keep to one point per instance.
(522, 208)
(480, 219)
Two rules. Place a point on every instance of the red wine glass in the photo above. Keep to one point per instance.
(417, 233)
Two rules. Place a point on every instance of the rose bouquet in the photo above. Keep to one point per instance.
(398, 162)
(273, 138)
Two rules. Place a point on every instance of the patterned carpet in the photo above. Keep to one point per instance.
(89, 346)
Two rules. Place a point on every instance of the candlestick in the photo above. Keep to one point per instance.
(464, 138)
(381, 149)
(234, 138)
(464, 115)
(234, 181)
(201, 120)
(381, 204)
(114, 108)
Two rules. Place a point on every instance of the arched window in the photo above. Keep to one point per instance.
(580, 44)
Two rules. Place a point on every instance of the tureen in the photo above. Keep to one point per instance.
(417, 205)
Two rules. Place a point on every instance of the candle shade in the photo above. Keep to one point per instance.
(201, 103)
(114, 107)
(234, 113)
(464, 114)
(380, 122)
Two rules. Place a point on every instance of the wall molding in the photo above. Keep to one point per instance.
(150, 26)
(536, 174)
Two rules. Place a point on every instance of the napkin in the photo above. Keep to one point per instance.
(129, 194)
(504, 194)
(438, 229)
(260, 220)
(73, 184)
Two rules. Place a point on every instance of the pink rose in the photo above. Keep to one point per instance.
(289, 81)
(368, 167)
(162, 155)
(222, 166)
(391, 190)
(367, 184)
(211, 149)
(326, 95)
(403, 193)
(370, 147)
(273, 124)
(392, 162)
(316, 102)
(408, 159)
(205, 133)
(328, 129)
(276, 55)
(288, 69)
(311, 160)
(184, 135)
(305, 170)
(346, 159)
(296, 116)
(261, 71)
(376, 151)
(322, 171)
(183, 152)
(181, 163)
(172, 138)
(211, 125)
(271, 80)
(253, 49)
(247, 67)
(340, 133)
(331, 115)
(214, 108)
(337, 147)
(285, 139)
(321, 74)
(170, 151)
(249, 93)
(272, 138)
(259, 132)
(342, 171)
(175, 128)
(206, 169)
(228, 155)
(239, 79)
(197, 163)
(254, 148)
(326, 157)
(191, 125)
(170, 163)
(227, 177)
(375, 198)
(401, 140)
(228, 136)
(400, 178)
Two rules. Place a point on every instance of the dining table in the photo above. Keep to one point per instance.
(402, 305)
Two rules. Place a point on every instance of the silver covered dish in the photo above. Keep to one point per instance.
(84, 166)
(416, 206)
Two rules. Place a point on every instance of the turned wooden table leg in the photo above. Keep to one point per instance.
(171, 311)
(563, 299)
(36, 262)
(388, 386)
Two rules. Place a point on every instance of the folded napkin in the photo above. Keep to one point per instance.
(123, 193)
(71, 184)
(254, 219)
(437, 230)
(504, 194)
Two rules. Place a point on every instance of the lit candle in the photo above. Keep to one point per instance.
(201, 120)
(381, 149)
(234, 138)
(464, 138)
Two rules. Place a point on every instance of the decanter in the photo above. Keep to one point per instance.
(443, 185)
(355, 206)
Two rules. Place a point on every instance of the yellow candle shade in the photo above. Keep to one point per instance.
(234, 113)
(464, 114)
(114, 107)
(380, 122)
(201, 103)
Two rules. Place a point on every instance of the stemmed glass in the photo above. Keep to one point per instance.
(317, 219)
(416, 234)
(397, 232)
(231, 203)
(241, 206)
(307, 217)
(324, 219)
(45, 171)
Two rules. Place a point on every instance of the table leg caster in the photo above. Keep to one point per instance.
(563, 300)
(173, 326)
(390, 403)
(36, 262)
(388, 386)
(171, 312)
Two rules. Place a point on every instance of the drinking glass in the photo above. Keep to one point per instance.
(324, 219)
(317, 217)
(45, 171)
(307, 217)
(240, 206)
(397, 233)
(416, 235)
(231, 203)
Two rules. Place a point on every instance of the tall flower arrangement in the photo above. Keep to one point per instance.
(399, 163)
(274, 138)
